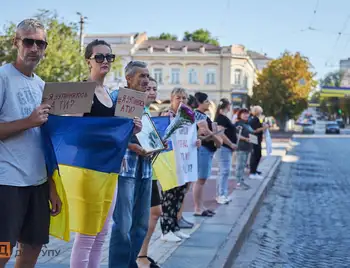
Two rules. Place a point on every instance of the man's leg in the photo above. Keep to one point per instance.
(12, 216)
(140, 217)
(253, 160)
(36, 227)
(120, 241)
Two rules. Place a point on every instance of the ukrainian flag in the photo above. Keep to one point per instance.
(164, 167)
(84, 156)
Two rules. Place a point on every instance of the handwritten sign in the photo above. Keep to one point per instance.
(69, 97)
(184, 142)
(130, 103)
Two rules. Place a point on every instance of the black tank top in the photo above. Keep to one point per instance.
(99, 109)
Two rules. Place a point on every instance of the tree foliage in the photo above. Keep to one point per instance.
(201, 35)
(63, 60)
(164, 36)
(283, 87)
(332, 79)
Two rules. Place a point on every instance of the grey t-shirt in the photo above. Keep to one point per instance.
(22, 161)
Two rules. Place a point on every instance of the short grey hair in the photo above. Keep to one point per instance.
(30, 25)
(179, 90)
(130, 68)
(257, 110)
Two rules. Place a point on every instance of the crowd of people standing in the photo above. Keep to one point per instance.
(138, 202)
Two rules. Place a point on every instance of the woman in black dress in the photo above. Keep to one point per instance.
(87, 249)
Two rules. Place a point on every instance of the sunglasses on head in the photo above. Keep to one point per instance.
(29, 42)
(99, 58)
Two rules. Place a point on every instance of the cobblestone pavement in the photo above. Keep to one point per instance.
(304, 221)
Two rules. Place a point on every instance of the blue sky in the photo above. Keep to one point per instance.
(269, 26)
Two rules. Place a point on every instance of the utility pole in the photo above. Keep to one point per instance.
(81, 22)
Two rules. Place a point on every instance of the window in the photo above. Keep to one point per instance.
(245, 82)
(192, 76)
(175, 76)
(158, 75)
(210, 77)
(237, 76)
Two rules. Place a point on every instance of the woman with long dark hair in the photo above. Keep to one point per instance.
(205, 153)
(225, 152)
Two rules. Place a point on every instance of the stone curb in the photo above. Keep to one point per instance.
(231, 247)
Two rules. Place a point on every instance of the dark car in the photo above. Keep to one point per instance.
(332, 127)
(340, 122)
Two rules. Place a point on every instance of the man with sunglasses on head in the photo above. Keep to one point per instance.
(25, 189)
(131, 213)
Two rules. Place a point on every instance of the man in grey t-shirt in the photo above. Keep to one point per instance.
(25, 189)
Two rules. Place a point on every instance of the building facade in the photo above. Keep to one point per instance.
(221, 72)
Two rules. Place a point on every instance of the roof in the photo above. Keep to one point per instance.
(257, 56)
(176, 45)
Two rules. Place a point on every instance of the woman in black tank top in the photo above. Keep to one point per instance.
(99, 57)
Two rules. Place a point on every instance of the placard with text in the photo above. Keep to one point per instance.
(69, 97)
(130, 103)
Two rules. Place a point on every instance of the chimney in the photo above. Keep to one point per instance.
(150, 49)
(202, 49)
(167, 49)
(184, 49)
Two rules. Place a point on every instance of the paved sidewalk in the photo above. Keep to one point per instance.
(207, 235)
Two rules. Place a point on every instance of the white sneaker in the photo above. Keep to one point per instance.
(256, 177)
(182, 235)
(221, 200)
(170, 237)
(228, 199)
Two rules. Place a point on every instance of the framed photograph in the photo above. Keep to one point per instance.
(149, 138)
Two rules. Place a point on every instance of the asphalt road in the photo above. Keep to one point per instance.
(304, 221)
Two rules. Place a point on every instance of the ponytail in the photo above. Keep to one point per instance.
(222, 105)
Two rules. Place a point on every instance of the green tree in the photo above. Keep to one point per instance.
(332, 79)
(164, 36)
(201, 35)
(284, 86)
(62, 61)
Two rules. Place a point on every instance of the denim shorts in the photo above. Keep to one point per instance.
(205, 160)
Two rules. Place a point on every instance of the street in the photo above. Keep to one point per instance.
(304, 219)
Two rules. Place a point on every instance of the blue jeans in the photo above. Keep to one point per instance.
(130, 216)
(225, 163)
(241, 162)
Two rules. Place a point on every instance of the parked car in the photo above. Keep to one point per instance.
(332, 127)
(341, 123)
(308, 128)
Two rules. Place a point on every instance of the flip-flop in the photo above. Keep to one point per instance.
(205, 213)
(210, 211)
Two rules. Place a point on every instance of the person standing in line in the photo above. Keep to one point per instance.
(181, 221)
(225, 152)
(143, 260)
(87, 249)
(234, 116)
(132, 209)
(258, 128)
(205, 154)
(172, 199)
(244, 147)
(26, 191)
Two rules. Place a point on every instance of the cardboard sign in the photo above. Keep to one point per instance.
(69, 97)
(130, 103)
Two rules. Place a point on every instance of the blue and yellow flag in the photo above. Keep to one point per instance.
(84, 156)
(164, 167)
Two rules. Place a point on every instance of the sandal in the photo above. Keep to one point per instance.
(205, 213)
(153, 264)
(211, 212)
